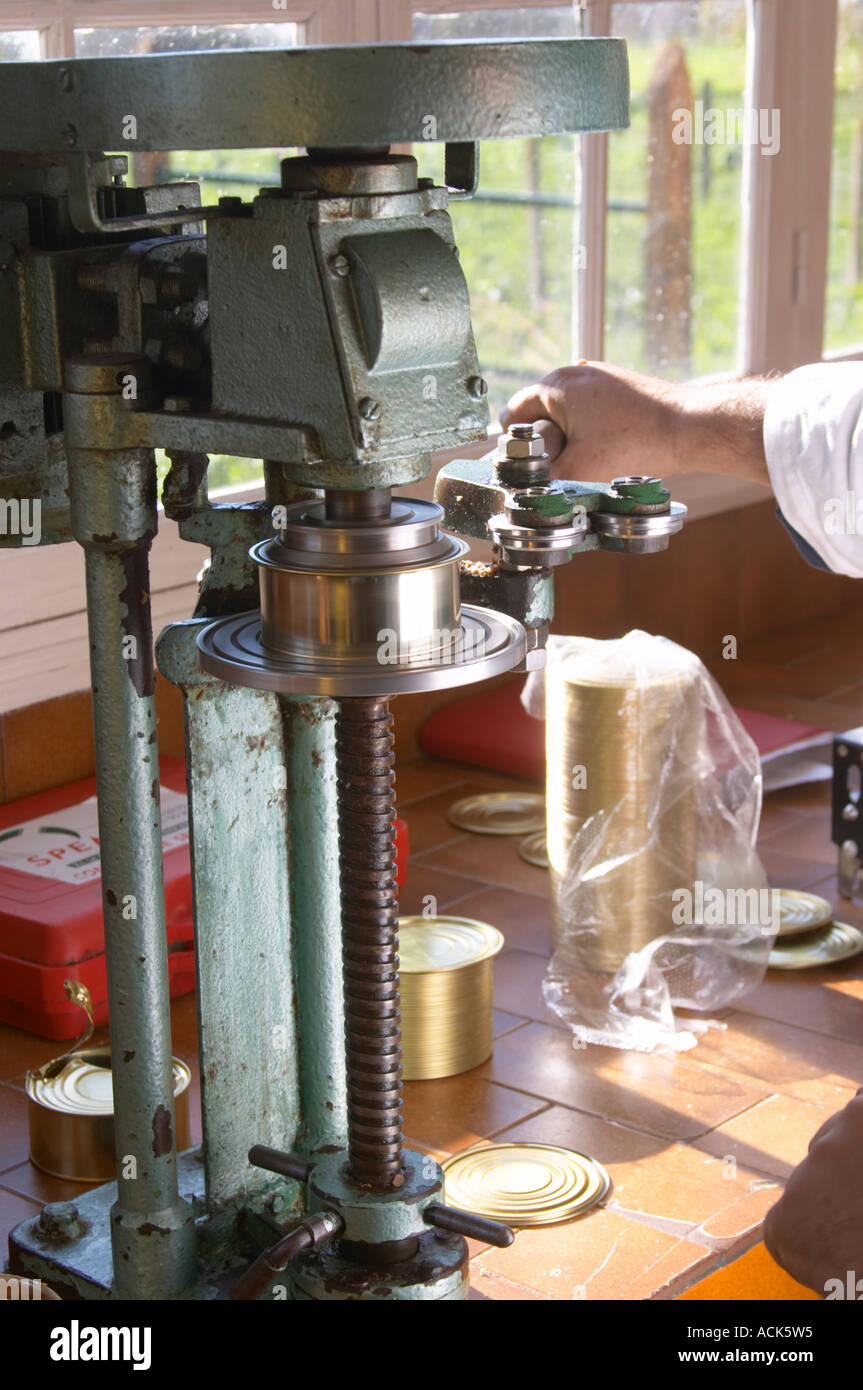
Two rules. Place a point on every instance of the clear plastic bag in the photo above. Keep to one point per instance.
(659, 900)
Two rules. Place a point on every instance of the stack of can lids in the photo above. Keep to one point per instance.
(808, 935)
(524, 1184)
(447, 992)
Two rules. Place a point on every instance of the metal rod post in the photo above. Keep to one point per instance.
(113, 498)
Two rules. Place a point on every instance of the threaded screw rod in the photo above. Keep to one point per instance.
(369, 905)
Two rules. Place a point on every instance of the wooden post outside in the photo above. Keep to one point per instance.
(706, 166)
(669, 219)
(854, 265)
(536, 270)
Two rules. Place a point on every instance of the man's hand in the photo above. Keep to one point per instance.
(618, 422)
(815, 1230)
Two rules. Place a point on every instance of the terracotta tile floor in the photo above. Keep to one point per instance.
(697, 1146)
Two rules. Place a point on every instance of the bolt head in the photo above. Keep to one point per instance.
(60, 1221)
(369, 409)
(510, 446)
(477, 387)
(850, 812)
(340, 266)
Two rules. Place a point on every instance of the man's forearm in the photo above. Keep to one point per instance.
(721, 429)
(617, 421)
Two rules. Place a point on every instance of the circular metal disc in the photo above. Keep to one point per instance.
(835, 942)
(638, 526)
(524, 1184)
(231, 649)
(534, 849)
(499, 813)
(372, 94)
(802, 912)
(429, 944)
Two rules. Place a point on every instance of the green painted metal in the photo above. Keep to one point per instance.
(626, 498)
(527, 595)
(114, 519)
(361, 95)
(540, 608)
(470, 492)
(309, 736)
(81, 1268)
(244, 941)
(373, 1218)
(553, 503)
(437, 1273)
(384, 384)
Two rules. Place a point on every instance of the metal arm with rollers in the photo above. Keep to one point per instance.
(301, 330)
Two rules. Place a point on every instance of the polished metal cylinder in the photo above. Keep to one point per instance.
(353, 617)
(383, 588)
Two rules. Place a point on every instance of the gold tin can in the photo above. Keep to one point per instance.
(71, 1116)
(447, 993)
(524, 1184)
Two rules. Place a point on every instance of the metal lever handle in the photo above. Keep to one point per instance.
(275, 1161)
(464, 1223)
(323, 1226)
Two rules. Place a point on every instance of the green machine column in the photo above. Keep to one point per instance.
(113, 505)
(310, 761)
(243, 932)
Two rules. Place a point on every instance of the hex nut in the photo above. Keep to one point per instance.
(509, 447)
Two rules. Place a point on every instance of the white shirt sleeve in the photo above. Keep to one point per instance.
(813, 440)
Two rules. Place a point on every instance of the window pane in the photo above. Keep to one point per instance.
(675, 189)
(844, 323)
(189, 38)
(518, 238)
(20, 45)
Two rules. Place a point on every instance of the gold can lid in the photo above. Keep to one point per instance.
(524, 1184)
(534, 849)
(429, 944)
(802, 912)
(499, 813)
(832, 943)
(84, 1086)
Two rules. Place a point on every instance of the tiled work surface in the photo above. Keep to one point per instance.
(697, 1146)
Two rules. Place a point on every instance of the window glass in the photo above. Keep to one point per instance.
(187, 38)
(20, 45)
(675, 189)
(518, 237)
(844, 316)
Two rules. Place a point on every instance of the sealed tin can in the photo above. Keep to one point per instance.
(71, 1116)
(447, 991)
